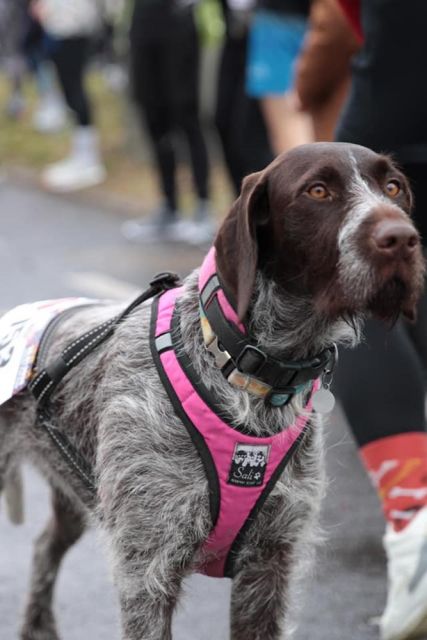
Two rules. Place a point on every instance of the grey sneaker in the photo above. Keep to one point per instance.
(202, 227)
(201, 233)
(157, 227)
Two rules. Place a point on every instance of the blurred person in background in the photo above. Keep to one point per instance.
(382, 383)
(276, 36)
(70, 28)
(238, 117)
(12, 24)
(322, 73)
(22, 51)
(50, 114)
(165, 56)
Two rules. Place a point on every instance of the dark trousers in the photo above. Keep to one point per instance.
(238, 117)
(382, 383)
(70, 56)
(165, 78)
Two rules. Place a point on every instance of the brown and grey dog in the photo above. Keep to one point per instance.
(315, 242)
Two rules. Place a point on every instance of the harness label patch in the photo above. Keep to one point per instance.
(248, 465)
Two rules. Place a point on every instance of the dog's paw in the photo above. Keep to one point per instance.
(28, 633)
(39, 626)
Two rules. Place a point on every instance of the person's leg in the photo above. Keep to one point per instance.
(190, 124)
(70, 57)
(418, 331)
(161, 138)
(230, 78)
(83, 167)
(15, 70)
(183, 89)
(417, 174)
(382, 390)
(287, 125)
(149, 66)
(49, 115)
(149, 89)
(12, 22)
(183, 84)
(238, 118)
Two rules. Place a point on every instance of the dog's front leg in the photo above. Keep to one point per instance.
(152, 552)
(149, 592)
(147, 616)
(259, 595)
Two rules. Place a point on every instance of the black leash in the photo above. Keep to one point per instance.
(47, 380)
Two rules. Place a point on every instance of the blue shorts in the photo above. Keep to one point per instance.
(275, 41)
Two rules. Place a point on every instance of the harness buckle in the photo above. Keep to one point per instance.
(221, 356)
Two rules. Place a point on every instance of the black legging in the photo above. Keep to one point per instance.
(165, 75)
(381, 383)
(238, 117)
(70, 56)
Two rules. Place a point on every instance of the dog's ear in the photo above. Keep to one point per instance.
(237, 244)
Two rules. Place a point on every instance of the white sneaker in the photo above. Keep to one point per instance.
(73, 174)
(405, 615)
(82, 169)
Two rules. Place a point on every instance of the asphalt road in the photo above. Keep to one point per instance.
(51, 247)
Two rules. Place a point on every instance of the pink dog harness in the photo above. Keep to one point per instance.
(241, 469)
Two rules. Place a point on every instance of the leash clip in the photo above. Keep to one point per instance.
(165, 280)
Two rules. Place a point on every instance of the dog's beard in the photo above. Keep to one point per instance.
(385, 300)
(390, 299)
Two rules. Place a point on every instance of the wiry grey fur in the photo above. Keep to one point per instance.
(152, 501)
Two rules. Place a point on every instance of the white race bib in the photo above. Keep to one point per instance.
(21, 330)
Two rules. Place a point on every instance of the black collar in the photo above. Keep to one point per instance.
(241, 361)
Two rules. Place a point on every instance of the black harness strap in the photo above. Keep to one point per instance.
(46, 381)
(43, 385)
(68, 451)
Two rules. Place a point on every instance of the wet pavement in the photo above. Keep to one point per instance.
(51, 247)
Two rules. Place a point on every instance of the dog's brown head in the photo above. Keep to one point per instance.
(330, 221)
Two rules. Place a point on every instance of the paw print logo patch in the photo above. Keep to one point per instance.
(248, 465)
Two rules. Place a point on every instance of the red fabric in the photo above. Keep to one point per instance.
(351, 9)
(398, 468)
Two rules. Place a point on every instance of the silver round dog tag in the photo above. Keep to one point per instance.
(323, 401)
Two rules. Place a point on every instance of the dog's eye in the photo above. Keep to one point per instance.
(318, 192)
(392, 188)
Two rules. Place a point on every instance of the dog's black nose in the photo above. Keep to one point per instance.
(395, 237)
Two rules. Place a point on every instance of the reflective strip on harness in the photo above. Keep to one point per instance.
(241, 469)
